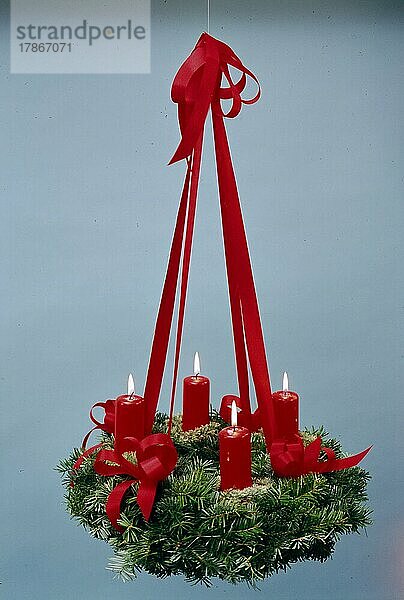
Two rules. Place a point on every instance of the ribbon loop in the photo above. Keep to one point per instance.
(234, 90)
(109, 418)
(225, 93)
(159, 456)
(107, 425)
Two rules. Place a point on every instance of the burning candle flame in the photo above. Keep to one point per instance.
(285, 383)
(131, 385)
(197, 364)
(233, 414)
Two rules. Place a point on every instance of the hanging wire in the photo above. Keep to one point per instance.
(208, 16)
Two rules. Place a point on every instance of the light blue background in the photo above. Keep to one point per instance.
(87, 213)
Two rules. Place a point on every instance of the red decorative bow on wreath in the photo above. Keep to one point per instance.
(156, 458)
(291, 459)
(107, 425)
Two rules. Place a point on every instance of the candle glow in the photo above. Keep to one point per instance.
(197, 364)
(131, 385)
(233, 414)
(285, 383)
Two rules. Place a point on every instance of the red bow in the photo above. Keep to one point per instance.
(196, 87)
(156, 458)
(292, 459)
(107, 425)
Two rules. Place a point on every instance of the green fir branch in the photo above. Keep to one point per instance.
(202, 533)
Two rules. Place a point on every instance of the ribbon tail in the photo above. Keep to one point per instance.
(85, 455)
(82, 457)
(85, 439)
(113, 506)
(186, 85)
(235, 237)
(342, 463)
(145, 497)
(186, 261)
(311, 453)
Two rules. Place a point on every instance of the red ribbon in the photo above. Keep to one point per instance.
(156, 458)
(107, 425)
(292, 459)
(83, 456)
(197, 88)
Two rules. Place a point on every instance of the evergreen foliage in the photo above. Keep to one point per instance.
(199, 532)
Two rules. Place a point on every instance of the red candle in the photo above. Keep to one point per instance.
(129, 415)
(244, 417)
(235, 455)
(286, 412)
(195, 399)
(225, 409)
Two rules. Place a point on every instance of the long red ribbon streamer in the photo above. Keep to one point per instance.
(186, 262)
(165, 315)
(197, 89)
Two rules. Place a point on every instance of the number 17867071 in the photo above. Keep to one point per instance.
(45, 47)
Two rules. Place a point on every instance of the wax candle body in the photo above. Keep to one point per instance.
(235, 458)
(129, 417)
(286, 414)
(195, 402)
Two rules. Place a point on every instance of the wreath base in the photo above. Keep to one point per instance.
(200, 532)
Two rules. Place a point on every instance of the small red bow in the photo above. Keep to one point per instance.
(107, 425)
(292, 459)
(156, 458)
